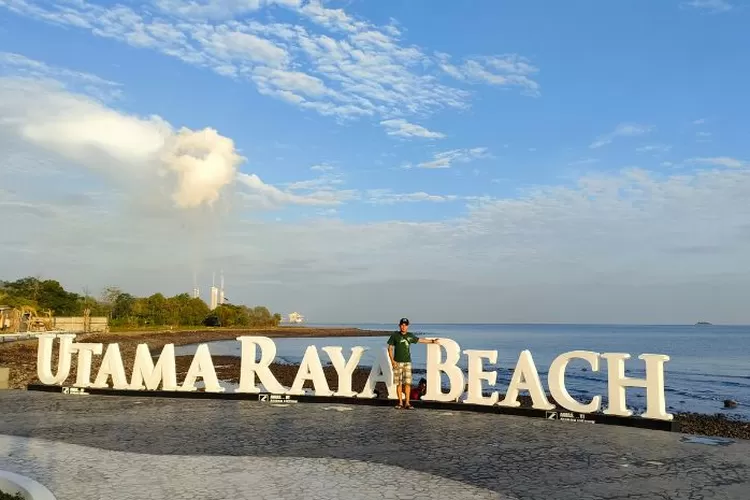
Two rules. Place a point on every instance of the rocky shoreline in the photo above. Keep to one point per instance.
(20, 357)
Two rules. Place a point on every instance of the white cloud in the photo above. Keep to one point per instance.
(402, 128)
(446, 159)
(719, 161)
(194, 166)
(710, 5)
(17, 65)
(503, 70)
(321, 168)
(622, 130)
(347, 68)
(654, 148)
(266, 196)
(388, 197)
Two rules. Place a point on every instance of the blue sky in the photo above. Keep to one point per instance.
(548, 153)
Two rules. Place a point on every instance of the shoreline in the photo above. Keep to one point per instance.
(20, 357)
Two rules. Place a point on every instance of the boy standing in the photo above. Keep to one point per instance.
(399, 351)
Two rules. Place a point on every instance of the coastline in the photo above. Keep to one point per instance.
(20, 357)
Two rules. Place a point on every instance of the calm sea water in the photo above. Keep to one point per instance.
(708, 363)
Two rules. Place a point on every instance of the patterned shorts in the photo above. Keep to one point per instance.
(402, 374)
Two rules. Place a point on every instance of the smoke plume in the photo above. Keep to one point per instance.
(192, 167)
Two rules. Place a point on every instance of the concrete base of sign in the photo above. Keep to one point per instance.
(29, 489)
(4, 377)
(268, 398)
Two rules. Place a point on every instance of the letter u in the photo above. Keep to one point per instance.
(44, 358)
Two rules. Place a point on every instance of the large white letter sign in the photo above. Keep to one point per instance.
(111, 366)
(381, 371)
(44, 358)
(344, 369)
(556, 379)
(525, 377)
(476, 375)
(311, 369)
(202, 366)
(85, 352)
(653, 383)
(144, 371)
(435, 367)
(249, 368)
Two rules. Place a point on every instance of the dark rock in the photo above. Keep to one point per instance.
(730, 403)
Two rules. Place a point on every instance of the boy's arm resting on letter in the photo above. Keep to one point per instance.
(427, 341)
(390, 355)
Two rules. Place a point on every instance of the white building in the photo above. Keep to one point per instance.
(296, 317)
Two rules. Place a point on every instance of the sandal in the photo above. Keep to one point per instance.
(398, 406)
(409, 407)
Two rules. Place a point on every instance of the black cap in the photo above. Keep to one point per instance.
(404, 321)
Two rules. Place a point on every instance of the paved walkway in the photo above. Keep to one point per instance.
(97, 447)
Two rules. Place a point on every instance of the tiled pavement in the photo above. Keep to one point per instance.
(104, 447)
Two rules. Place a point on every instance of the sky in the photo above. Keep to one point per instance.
(360, 160)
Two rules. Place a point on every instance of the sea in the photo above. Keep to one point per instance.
(708, 363)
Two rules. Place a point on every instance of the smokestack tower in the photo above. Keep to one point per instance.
(221, 289)
(196, 291)
(214, 293)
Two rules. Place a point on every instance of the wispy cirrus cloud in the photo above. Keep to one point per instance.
(710, 5)
(719, 161)
(622, 130)
(388, 197)
(401, 128)
(323, 60)
(654, 148)
(17, 65)
(446, 159)
(507, 70)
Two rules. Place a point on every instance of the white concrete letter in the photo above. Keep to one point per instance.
(249, 368)
(381, 371)
(85, 352)
(144, 371)
(476, 375)
(44, 358)
(112, 365)
(526, 377)
(435, 366)
(556, 380)
(202, 366)
(311, 369)
(653, 383)
(344, 369)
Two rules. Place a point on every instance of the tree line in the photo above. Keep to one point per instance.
(125, 309)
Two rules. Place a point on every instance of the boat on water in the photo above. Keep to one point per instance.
(703, 323)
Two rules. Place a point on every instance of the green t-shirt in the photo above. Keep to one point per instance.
(401, 349)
